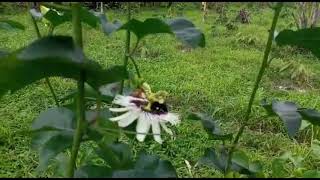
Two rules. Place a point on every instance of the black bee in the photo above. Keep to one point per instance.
(158, 108)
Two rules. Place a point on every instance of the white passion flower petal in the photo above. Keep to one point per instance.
(165, 128)
(119, 109)
(127, 121)
(126, 100)
(142, 127)
(156, 131)
(172, 118)
(122, 116)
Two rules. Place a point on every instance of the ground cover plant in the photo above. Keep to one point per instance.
(157, 92)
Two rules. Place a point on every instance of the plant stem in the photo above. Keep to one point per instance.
(46, 78)
(127, 49)
(134, 48)
(135, 66)
(256, 85)
(77, 33)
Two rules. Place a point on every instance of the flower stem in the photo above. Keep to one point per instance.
(127, 49)
(77, 33)
(256, 85)
(46, 78)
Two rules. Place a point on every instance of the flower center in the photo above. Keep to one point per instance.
(158, 108)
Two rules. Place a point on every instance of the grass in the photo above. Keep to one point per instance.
(217, 78)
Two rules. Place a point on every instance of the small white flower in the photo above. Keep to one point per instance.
(154, 115)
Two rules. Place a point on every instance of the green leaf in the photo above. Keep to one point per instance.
(149, 26)
(88, 17)
(3, 53)
(311, 174)
(93, 171)
(106, 130)
(10, 25)
(183, 29)
(311, 115)
(117, 155)
(278, 168)
(287, 111)
(255, 167)
(39, 138)
(267, 106)
(316, 148)
(35, 14)
(241, 159)
(53, 147)
(66, 15)
(56, 18)
(61, 165)
(210, 125)
(90, 94)
(304, 124)
(57, 118)
(215, 159)
(53, 56)
(110, 89)
(108, 27)
(186, 32)
(148, 166)
(306, 38)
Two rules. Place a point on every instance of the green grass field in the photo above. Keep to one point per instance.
(217, 79)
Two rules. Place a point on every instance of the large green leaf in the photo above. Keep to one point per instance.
(58, 118)
(3, 53)
(90, 94)
(242, 160)
(267, 106)
(52, 147)
(101, 128)
(311, 115)
(108, 27)
(58, 16)
(93, 171)
(210, 125)
(186, 32)
(61, 166)
(215, 159)
(307, 38)
(183, 29)
(147, 27)
(148, 166)
(287, 111)
(39, 138)
(117, 155)
(10, 25)
(53, 56)
(35, 14)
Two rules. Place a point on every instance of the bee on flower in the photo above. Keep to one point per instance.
(149, 109)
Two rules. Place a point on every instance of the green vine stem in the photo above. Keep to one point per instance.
(127, 49)
(47, 79)
(256, 85)
(77, 33)
(135, 66)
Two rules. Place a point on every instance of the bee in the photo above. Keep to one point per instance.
(156, 101)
